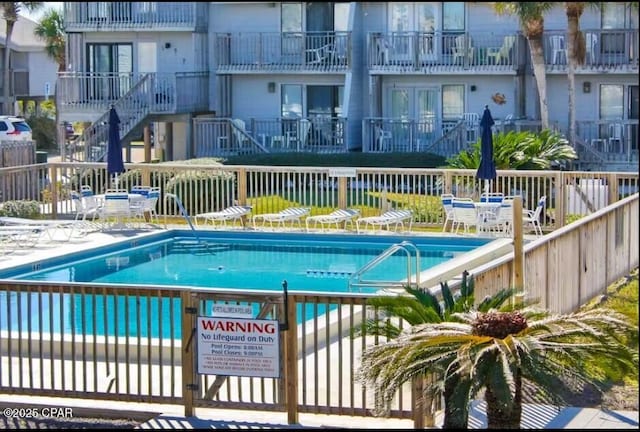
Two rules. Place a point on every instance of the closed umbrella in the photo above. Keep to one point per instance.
(115, 164)
(487, 168)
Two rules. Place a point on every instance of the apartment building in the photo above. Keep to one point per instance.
(224, 78)
(32, 72)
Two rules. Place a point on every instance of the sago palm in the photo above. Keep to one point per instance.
(420, 306)
(498, 352)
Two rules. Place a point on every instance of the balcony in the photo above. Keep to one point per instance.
(283, 52)
(89, 95)
(220, 137)
(136, 16)
(606, 50)
(614, 140)
(444, 52)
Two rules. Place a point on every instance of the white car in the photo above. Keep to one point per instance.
(14, 129)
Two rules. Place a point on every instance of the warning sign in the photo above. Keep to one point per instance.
(238, 347)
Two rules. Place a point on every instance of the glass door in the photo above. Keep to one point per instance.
(110, 67)
(426, 24)
(426, 108)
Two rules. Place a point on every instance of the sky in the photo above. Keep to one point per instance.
(38, 15)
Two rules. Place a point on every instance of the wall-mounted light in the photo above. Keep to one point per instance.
(271, 87)
(586, 87)
(472, 87)
(167, 45)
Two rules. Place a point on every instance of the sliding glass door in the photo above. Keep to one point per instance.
(110, 66)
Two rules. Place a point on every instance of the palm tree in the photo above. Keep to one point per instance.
(576, 54)
(498, 352)
(10, 12)
(531, 16)
(51, 30)
(420, 307)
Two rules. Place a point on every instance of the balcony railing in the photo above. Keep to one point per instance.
(283, 52)
(444, 51)
(95, 92)
(110, 16)
(611, 140)
(605, 50)
(215, 137)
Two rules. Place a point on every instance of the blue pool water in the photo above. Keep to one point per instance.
(243, 261)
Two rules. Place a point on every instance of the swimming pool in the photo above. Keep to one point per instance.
(245, 261)
(249, 261)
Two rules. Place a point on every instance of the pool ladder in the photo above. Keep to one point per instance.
(356, 278)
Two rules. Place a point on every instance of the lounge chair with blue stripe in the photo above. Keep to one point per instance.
(387, 219)
(339, 216)
(291, 214)
(232, 213)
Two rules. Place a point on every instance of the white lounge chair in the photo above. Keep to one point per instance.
(233, 213)
(49, 226)
(388, 218)
(340, 216)
(291, 214)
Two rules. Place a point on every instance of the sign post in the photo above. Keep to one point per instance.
(47, 90)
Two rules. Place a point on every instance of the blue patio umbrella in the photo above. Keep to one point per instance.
(115, 164)
(487, 168)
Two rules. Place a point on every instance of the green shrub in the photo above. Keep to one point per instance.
(43, 132)
(22, 209)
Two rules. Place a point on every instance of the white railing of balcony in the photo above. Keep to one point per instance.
(312, 134)
(97, 91)
(93, 91)
(612, 139)
(386, 135)
(439, 50)
(125, 15)
(322, 51)
(604, 49)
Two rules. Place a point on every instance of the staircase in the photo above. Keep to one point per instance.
(132, 109)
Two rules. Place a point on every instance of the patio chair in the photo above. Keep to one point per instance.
(232, 213)
(502, 55)
(463, 49)
(531, 218)
(87, 207)
(497, 222)
(465, 214)
(340, 216)
(116, 208)
(446, 200)
(145, 209)
(386, 219)
(291, 214)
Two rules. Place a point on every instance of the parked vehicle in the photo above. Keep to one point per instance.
(14, 128)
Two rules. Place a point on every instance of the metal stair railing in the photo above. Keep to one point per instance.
(355, 280)
(132, 108)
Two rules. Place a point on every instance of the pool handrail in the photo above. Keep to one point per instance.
(384, 255)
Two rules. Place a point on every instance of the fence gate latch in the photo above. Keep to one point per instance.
(191, 310)
(192, 387)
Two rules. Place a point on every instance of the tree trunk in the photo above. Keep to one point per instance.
(6, 88)
(540, 74)
(501, 417)
(574, 10)
(456, 415)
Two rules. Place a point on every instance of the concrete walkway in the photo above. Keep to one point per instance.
(172, 416)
